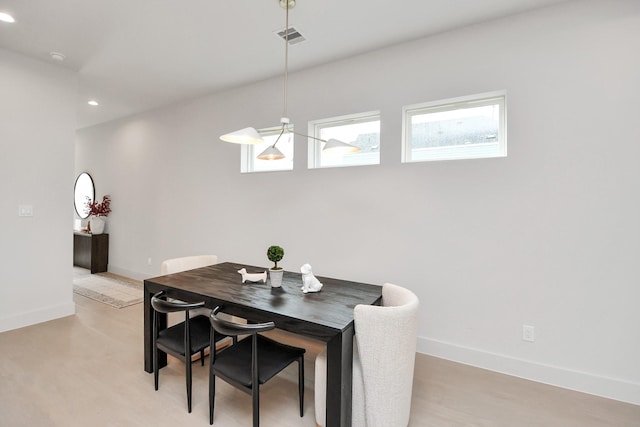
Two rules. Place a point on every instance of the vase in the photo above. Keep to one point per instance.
(97, 225)
(275, 278)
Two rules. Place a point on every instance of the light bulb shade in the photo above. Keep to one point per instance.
(335, 146)
(243, 136)
(271, 153)
(5, 17)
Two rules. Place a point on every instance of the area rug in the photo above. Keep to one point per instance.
(114, 292)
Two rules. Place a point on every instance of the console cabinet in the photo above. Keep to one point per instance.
(91, 251)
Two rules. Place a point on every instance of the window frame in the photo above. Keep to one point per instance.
(453, 104)
(315, 143)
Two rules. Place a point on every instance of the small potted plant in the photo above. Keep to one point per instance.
(97, 210)
(275, 254)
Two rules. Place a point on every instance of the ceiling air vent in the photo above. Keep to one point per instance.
(294, 36)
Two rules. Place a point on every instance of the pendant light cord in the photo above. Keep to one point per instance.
(286, 75)
(286, 59)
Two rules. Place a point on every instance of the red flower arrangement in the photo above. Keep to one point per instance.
(99, 209)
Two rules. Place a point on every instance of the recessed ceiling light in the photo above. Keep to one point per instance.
(5, 17)
(57, 56)
(93, 103)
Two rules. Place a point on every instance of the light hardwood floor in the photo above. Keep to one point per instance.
(87, 370)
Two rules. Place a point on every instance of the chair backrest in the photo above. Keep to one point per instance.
(171, 306)
(386, 344)
(233, 329)
(162, 305)
(176, 265)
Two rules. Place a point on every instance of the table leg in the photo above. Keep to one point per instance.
(339, 379)
(148, 333)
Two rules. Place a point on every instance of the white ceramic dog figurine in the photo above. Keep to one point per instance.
(309, 282)
(253, 277)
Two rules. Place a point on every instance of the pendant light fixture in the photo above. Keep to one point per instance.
(250, 135)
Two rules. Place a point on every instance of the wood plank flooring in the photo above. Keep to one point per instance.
(87, 370)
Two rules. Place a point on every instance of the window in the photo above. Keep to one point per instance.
(462, 128)
(249, 152)
(361, 130)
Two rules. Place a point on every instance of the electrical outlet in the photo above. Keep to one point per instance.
(528, 333)
(25, 210)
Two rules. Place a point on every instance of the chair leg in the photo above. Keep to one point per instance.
(212, 394)
(301, 383)
(255, 391)
(188, 375)
(202, 357)
(155, 366)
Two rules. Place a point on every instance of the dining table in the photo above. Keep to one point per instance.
(326, 315)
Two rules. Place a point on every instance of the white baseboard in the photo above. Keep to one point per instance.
(28, 318)
(611, 388)
(130, 273)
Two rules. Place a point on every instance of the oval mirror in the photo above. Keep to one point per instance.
(83, 189)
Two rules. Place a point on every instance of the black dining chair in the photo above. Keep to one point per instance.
(183, 340)
(250, 362)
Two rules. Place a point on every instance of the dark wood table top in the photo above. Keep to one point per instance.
(320, 315)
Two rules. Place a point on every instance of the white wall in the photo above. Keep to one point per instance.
(37, 124)
(548, 236)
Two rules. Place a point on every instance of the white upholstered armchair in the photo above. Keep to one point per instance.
(176, 265)
(383, 362)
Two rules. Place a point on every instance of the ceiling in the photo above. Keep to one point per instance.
(136, 55)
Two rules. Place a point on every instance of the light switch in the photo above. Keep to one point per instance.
(25, 210)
